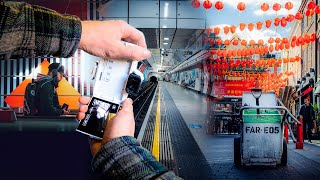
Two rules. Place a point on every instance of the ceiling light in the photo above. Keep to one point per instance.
(166, 9)
(166, 39)
(165, 43)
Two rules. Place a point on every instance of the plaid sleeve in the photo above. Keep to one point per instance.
(124, 158)
(28, 31)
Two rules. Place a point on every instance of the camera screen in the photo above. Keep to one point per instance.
(95, 119)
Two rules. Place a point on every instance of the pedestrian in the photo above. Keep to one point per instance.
(46, 98)
(308, 117)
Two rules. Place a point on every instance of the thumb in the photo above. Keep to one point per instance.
(133, 52)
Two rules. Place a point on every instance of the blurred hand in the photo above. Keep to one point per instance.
(103, 39)
(121, 125)
(65, 112)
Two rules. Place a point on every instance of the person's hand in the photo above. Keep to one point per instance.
(103, 39)
(65, 112)
(120, 125)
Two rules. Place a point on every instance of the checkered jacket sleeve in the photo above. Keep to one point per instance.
(124, 158)
(28, 31)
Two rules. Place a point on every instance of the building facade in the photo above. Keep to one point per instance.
(309, 64)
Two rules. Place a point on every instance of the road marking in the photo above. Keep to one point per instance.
(156, 142)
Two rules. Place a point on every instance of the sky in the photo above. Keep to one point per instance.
(230, 15)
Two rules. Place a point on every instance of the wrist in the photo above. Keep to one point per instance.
(84, 34)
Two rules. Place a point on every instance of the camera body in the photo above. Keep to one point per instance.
(114, 80)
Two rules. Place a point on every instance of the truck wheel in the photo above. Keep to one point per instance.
(284, 157)
(237, 152)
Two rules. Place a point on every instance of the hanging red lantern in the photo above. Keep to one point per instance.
(224, 54)
(313, 37)
(248, 52)
(234, 53)
(233, 29)
(235, 42)
(283, 22)
(207, 4)
(250, 26)
(257, 50)
(252, 42)
(271, 40)
(196, 3)
(299, 16)
(293, 44)
(265, 49)
(285, 40)
(290, 18)
(252, 51)
(278, 40)
(277, 47)
(259, 25)
(227, 42)
(211, 41)
(276, 22)
(216, 31)
(260, 42)
(268, 23)
(294, 38)
(298, 42)
(213, 52)
(309, 12)
(264, 7)
(311, 5)
(229, 53)
(241, 6)
(288, 6)
(242, 26)
(239, 52)
(243, 52)
(317, 10)
(276, 7)
(287, 46)
(218, 5)
(219, 41)
(226, 29)
(281, 46)
(243, 42)
(307, 38)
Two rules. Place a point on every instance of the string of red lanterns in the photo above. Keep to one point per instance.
(283, 21)
(311, 7)
(259, 47)
(224, 69)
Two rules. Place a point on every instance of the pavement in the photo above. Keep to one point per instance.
(218, 149)
(310, 150)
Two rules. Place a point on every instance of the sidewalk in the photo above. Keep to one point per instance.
(310, 150)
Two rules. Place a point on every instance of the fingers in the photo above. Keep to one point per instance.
(127, 105)
(80, 116)
(84, 100)
(83, 108)
(132, 52)
(133, 35)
